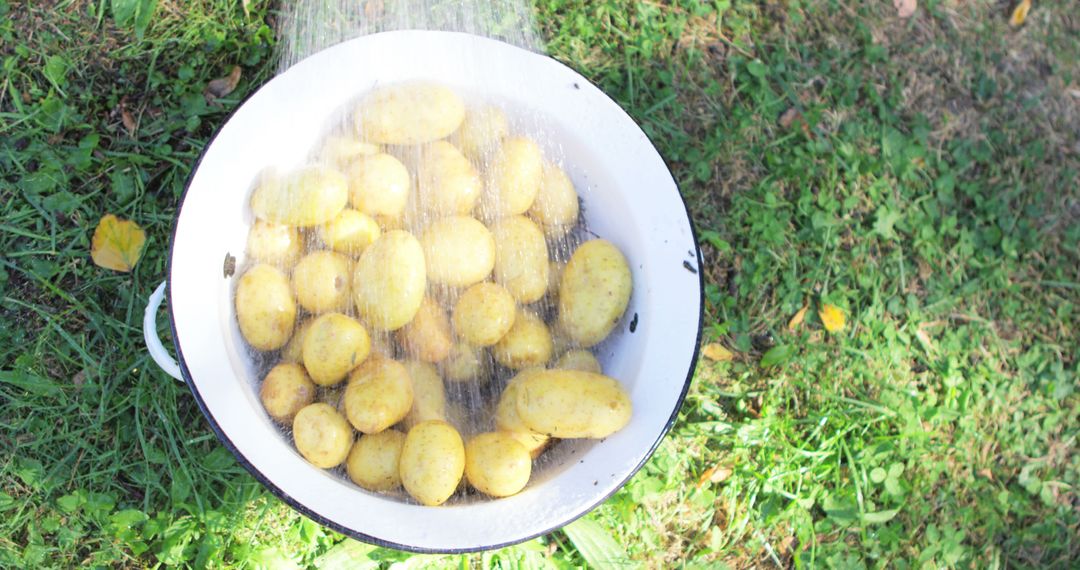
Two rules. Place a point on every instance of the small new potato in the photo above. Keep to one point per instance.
(390, 280)
(322, 281)
(373, 461)
(508, 421)
(285, 391)
(293, 352)
(527, 344)
(341, 151)
(306, 197)
(351, 232)
(446, 182)
(427, 336)
(514, 178)
(273, 244)
(496, 464)
(265, 307)
(484, 314)
(556, 205)
(521, 258)
(579, 359)
(482, 131)
(572, 404)
(465, 363)
(412, 112)
(322, 435)
(432, 462)
(594, 292)
(379, 394)
(429, 394)
(459, 251)
(379, 186)
(334, 345)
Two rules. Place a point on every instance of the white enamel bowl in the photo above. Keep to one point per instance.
(629, 197)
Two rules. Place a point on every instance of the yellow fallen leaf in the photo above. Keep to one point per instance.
(832, 317)
(716, 351)
(1019, 14)
(797, 319)
(117, 243)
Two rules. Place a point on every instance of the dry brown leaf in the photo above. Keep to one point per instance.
(716, 351)
(925, 271)
(832, 317)
(117, 244)
(715, 474)
(906, 8)
(222, 86)
(788, 117)
(924, 339)
(797, 319)
(128, 120)
(1019, 13)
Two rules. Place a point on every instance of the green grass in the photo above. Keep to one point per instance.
(934, 195)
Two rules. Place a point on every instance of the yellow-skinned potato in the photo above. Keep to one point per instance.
(373, 461)
(579, 359)
(309, 196)
(496, 464)
(484, 314)
(379, 394)
(340, 151)
(285, 391)
(556, 205)
(379, 186)
(482, 131)
(322, 281)
(293, 352)
(322, 435)
(427, 336)
(429, 394)
(459, 251)
(390, 281)
(514, 178)
(508, 421)
(273, 244)
(527, 344)
(432, 462)
(411, 112)
(351, 232)
(593, 292)
(521, 258)
(265, 307)
(465, 363)
(446, 182)
(572, 404)
(334, 345)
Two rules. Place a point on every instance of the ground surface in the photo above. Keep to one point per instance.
(921, 174)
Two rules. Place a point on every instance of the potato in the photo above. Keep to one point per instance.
(285, 390)
(484, 314)
(432, 462)
(294, 349)
(514, 178)
(527, 344)
(508, 421)
(594, 292)
(482, 131)
(411, 112)
(578, 359)
(340, 151)
(379, 186)
(273, 244)
(521, 258)
(322, 281)
(390, 280)
(496, 464)
(572, 404)
(265, 307)
(379, 394)
(459, 251)
(446, 182)
(322, 435)
(427, 336)
(334, 345)
(465, 363)
(309, 196)
(556, 205)
(429, 394)
(373, 461)
(351, 232)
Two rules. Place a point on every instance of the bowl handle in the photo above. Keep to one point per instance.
(158, 352)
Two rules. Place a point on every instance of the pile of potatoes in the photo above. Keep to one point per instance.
(417, 249)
